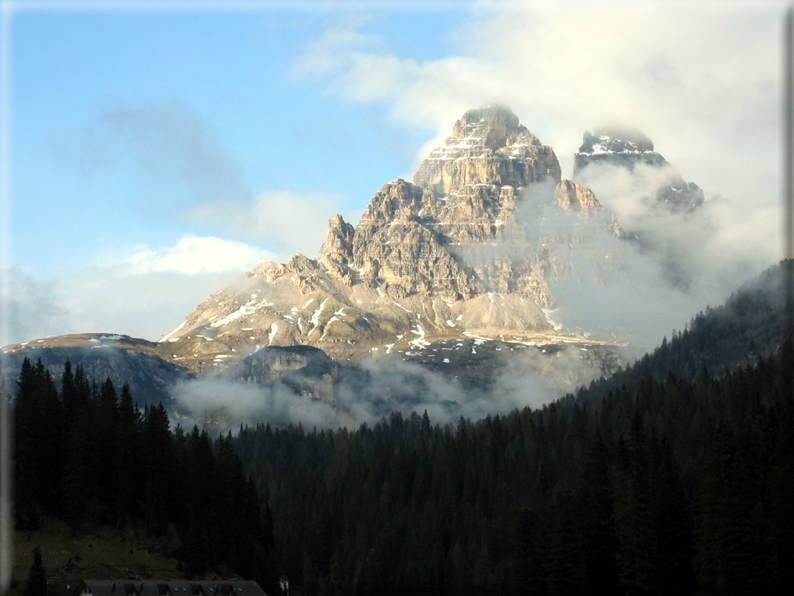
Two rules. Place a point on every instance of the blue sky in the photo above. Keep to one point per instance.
(136, 117)
(155, 151)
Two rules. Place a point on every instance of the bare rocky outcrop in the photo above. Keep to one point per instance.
(577, 198)
(469, 248)
(337, 251)
(488, 146)
(629, 149)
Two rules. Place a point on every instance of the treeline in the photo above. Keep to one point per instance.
(671, 486)
(89, 456)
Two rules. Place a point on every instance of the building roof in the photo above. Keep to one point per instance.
(158, 587)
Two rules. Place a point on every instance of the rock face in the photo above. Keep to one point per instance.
(305, 370)
(581, 200)
(335, 251)
(465, 253)
(624, 148)
(629, 149)
(467, 250)
(488, 146)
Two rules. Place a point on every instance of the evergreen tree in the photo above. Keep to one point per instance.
(105, 442)
(79, 483)
(529, 575)
(157, 466)
(37, 577)
(127, 450)
(38, 437)
(68, 395)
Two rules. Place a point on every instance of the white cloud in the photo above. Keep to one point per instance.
(701, 80)
(530, 378)
(288, 222)
(31, 305)
(194, 255)
(142, 293)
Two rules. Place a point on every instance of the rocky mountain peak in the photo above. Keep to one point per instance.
(626, 148)
(337, 250)
(488, 146)
(465, 251)
(616, 140)
(491, 126)
(621, 147)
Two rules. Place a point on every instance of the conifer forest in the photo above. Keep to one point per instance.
(664, 478)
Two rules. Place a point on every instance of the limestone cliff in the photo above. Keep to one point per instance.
(668, 192)
(466, 250)
(336, 250)
(449, 270)
(488, 146)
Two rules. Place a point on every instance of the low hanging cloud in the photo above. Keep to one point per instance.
(666, 267)
(715, 246)
(32, 306)
(703, 82)
(526, 378)
(288, 222)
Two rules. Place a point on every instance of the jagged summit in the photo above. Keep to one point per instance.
(626, 148)
(335, 253)
(488, 146)
(493, 126)
(614, 139)
(452, 270)
(467, 252)
(623, 147)
(452, 254)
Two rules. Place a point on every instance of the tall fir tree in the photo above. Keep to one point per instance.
(37, 577)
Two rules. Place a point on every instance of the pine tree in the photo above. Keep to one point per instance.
(38, 436)
(68, 394)
(104, 434)
(127, 449)
(79, 488)
(37, 578)
(157, 466)
(528, 563)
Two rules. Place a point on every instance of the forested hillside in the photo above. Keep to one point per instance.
(754, 321)
(675, 475)
(91, 458)
(660, 487)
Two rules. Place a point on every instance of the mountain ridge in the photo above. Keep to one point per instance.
(452, 254)
(465, 252)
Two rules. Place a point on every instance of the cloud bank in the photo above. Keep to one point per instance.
(668, 266)
(703, 80)
(151, 287)
(286, 221)
(527, 378)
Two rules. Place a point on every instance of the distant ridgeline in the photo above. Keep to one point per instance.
(90, 457)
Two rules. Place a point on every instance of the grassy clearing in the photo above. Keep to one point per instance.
(101, 553)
